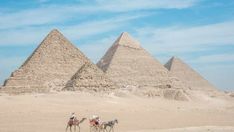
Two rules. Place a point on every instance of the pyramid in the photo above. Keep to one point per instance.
(49, 67)
(129, 65)
(90, 78)
(189, 76)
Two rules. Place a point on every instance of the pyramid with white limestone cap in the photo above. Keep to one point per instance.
(189, 76)
(50, 66)
(129, 65)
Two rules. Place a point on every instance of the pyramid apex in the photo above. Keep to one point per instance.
(124, 33)
(170, 62)
(54, 31)
(125, 39)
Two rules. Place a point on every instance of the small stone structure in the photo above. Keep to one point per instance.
(90, 78)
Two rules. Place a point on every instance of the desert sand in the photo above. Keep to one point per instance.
(50, 112)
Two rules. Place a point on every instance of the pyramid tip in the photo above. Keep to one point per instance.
(55, 30)
(170, 62)
(124, 33)
(175, 58)
(126, 40)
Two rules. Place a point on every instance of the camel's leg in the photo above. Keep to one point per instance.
(67, 128)
(111, 129)
(104, 129)
(74, 128)
(70, 129)
(90, 128)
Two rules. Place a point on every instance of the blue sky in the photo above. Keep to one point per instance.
(200, 32)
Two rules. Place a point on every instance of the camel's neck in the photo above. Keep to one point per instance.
(82, 120)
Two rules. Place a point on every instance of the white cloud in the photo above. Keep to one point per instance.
(34, 35)
(186, 39)
(51, 14)
(133, 5)
(29, 17)
(25, 36)
(99, 26)
(97, 48)
(216, 58)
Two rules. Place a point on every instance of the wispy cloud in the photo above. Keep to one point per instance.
(96, 49)
(32, 17)
(33, 35)
(128, 5)
(187, 39)
(216, 58)
(87, 29)
(52, 13)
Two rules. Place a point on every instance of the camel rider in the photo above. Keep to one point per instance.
(97, 120)
(73, 116)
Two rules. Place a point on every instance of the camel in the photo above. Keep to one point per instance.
(94, 127)
(109, 124)
(75, 123)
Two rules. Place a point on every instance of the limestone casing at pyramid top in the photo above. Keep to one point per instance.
(132, 47)
(126, 40)
(168, 65)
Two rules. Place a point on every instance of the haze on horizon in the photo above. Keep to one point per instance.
(198, 31)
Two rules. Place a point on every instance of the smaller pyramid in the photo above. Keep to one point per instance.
(187, 75)
(90, 78)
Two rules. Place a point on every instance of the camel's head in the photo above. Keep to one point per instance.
(116, 121)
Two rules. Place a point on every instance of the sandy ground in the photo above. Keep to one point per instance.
(50, 112)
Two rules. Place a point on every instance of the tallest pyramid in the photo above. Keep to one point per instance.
(50, 66)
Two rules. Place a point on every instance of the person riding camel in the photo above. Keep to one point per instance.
(96, 120)
(73, 116)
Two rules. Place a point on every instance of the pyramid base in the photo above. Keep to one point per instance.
(23, 90)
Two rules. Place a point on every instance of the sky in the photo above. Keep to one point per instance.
(200, 32)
